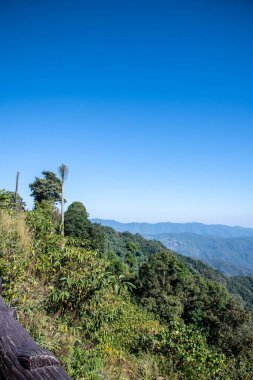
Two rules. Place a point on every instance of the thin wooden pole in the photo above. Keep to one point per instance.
(16, 190)
(62, 205)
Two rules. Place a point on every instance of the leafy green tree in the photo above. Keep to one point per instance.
(77, 223)
(43, 220)
(163, 283)
(130, 257)
(97, 237)
(46, 189)
(8, 199)
(169, 290)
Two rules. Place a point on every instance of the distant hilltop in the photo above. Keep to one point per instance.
(228, 249)
(217, 230)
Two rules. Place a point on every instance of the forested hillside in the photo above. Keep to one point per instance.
(239, 286)
(232, 256)
(113, 305)
(228, 249)
(118, 242)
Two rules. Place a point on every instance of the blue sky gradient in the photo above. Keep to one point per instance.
(150, 104)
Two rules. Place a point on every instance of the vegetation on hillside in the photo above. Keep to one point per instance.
(116, 306)
(240, 287)
(232, 256)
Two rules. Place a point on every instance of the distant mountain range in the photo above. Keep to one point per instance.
(228, 249)
(232, 256)
(217, 230)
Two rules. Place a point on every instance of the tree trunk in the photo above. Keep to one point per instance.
(16, 190)
(62, 207)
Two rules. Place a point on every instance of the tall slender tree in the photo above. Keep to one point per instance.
(63, 171)
(16, 190)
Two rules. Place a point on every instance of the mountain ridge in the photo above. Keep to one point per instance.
(227, 249)
(144, 228)
(232, 256)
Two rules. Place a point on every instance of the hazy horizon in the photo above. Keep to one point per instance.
(168, 221)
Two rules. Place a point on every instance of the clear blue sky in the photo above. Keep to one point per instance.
(149, 103)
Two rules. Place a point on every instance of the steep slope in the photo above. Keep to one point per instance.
(240, 286)
(121, 244)
(232, 256)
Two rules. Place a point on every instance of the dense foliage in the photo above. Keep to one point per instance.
(116, 306)
(9, 200)
(240, 286)
(77, 223)
(47, 188)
